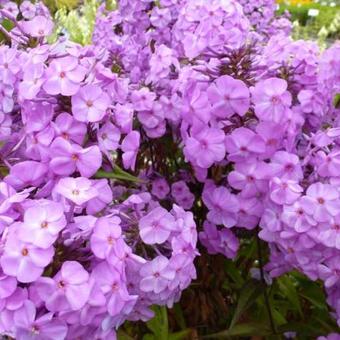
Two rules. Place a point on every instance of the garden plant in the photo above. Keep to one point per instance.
(169, 170)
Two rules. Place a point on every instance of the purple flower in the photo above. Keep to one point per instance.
(156, 275)
(272, 100)
(39, 27)
(42, 223)
(108, 138)
(222, 206)
(160, 188)
(106, 240)
(24, 260)
(130, 147)
(284, 191)
(64, 76)
(68, 290)
(228, 96)
(69, 129)
(143, 99)
(67, 158)
(321, 201)
(205, 148)
(27, 173)
(112, 285)
(31, 326)
(90, 103)
(78, 190)
(156, 226)
(243, 144)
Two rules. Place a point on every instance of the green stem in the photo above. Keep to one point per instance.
(265, 293)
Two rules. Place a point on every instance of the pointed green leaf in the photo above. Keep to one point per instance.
(119, 174)
(287, 287)
(250, 291)
(242, 329)
(159, 323)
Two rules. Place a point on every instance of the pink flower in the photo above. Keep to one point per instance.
(155, 227)
(329, 233)
(286, 165)
(228, 96)
(296, 217)
(143, 99)
(78, 190)
(64, 76)
(68, 290)
(67, 158)
(272, 100)
(43, 327)
(90, 103)
(284, 191)
(106, 240)
(111, 283)
(68, 128)
(321, 201)
(42, 223)
(160, 188)
(156, 275)
(242, 144)
(32, 81)
(130, 147)
(205, 148)
(39, 27)
(103, 198)
(27, 173)
(108, 138)
(24, 260)
(222, 206)
(248, 177)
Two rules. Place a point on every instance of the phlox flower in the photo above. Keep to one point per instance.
(90, 103)
(156, 226)
(78, 190)
(68, 290)
(272, 100)
(67, 158)
(63, 76)
(205, 147)
(228, 96)
(156, 275)
(24, 260)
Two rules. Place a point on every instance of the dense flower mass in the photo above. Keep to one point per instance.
(183, 116)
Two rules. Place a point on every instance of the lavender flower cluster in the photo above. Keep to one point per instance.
(219, 129)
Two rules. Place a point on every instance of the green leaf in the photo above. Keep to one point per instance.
(287, 287)
(242, 329)
(233, 272)
(119, 174)
(337, 101)
(121, 335)
(250, 291)
(177, 309)
(180, 335)
(159, 324)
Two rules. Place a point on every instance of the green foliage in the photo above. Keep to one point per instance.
(78, 23)
(325, 26)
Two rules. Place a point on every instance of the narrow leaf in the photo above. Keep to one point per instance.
(250, 291)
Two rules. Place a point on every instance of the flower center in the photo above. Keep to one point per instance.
(74, 157)
(62, 74)
(321, 200)
(75, 192)
(275, 100)
(156, 274)
(61, 284)
(44, 224)
(89, 103)
(24, 252)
